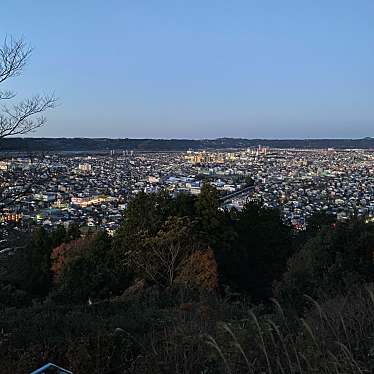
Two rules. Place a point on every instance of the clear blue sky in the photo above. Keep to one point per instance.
(200, 68)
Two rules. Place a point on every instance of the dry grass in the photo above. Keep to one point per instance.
(336, 337)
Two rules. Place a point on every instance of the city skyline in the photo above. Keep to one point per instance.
(187, 70)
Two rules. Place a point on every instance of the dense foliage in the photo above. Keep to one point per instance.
(187, 287)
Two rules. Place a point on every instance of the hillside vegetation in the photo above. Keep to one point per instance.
(186, 287)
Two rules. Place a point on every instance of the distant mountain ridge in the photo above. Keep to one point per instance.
(103, 144)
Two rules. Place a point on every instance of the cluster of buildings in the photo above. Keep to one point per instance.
(205, 157)
(93, 190)
(302, 182)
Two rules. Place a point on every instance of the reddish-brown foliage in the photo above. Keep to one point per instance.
(200, 270)
(65, 253)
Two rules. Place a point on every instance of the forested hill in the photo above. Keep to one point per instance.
(102, 144)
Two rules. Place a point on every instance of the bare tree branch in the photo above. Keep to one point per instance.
(7, 95)
(20, 119)
(14, 55)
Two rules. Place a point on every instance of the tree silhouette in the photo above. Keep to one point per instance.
(18, 118)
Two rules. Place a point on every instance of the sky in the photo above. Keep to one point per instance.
(199, 68)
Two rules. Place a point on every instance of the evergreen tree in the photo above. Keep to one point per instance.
(214, 225)
(92, 271)
(260, 252)
(331, 262)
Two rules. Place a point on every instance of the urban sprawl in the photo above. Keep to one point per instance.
(93, 191)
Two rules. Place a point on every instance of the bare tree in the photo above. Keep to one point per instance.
(159, 258)
(160, 262)
(17, 118)
(25, 116)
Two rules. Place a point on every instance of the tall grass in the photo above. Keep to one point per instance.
(336, 337)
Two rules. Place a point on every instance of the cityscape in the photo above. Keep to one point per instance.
(93, 190)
